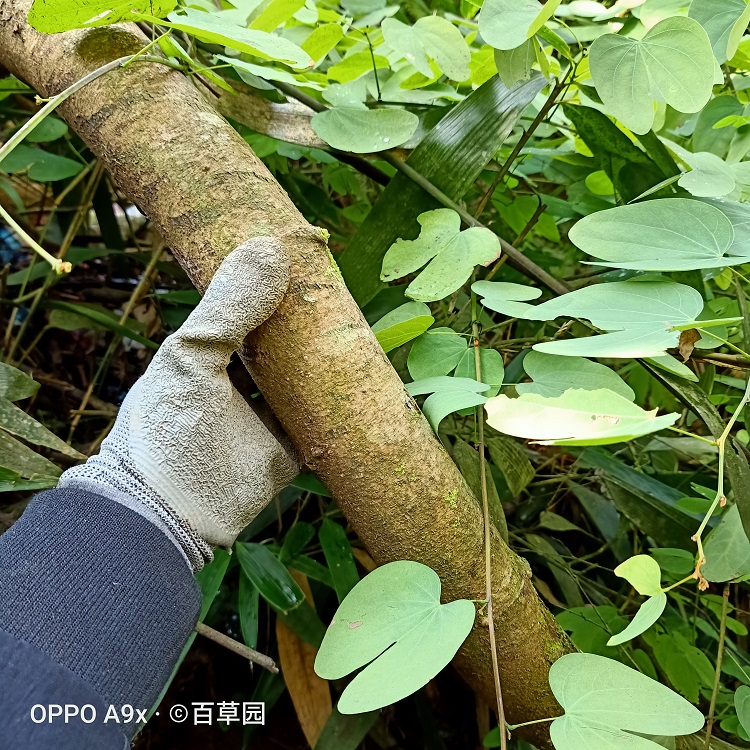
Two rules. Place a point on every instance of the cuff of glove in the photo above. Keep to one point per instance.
(194, 548)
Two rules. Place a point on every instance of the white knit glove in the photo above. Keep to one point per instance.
(187, 450)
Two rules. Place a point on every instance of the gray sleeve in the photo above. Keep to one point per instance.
(99, 594)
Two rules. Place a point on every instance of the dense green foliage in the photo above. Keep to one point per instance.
(604, 141)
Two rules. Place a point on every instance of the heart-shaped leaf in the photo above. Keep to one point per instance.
(604, 701)
(505, 297)
(448, 395)
(648, 613)
(393, 622)
(402, 324)
(659, 235)
(578, 417)
(673, 62)
(553, 376)
(363, 131)
(430, 38)
(436, 352)
(452, 255)
(642, 573)
(491, 364)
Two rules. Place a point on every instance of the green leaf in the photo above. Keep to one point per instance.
(266, 72)
(679, 562)
(49, 129)
(394, 623)
(402, 324)
(17, 422)
(268, 16)
(659, 235)
(578, 417)
(247, 608)
(271, 578)
(727, 550)
(16, 385)
(505, 297)
(491, 364)
(724, 24)
(346, 732)
(11, 481)
(642, 573)
(436, 352)
(506, 24)
(634, 341)
(514, 65)
(23, 460)
(39, 165)
(554, 375)
(338, 554)
(451, 156)
(623, 304)
(452, 255)
(430, 38)
(648, 613)
(449, 394)
(214, 29)
(512, 461)
(587, 686)
(363, 131)
(673, 63)
(322, 40)
(742, 706)
(53, 16)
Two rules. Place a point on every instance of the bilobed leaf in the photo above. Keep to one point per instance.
(212, 28)
(727, 550)
(362, 131)
(648, 613)
(658, 235)
(491, 365)
(578, 417)
(451, 255)
(604, 701)
(673, 63)
(436, 352)
(15, 384)
(505, 297)
(430, 38)
(642, 573)
(449, 394)
(554, 375)
(402, 324)
(271, 578)
(394, 623)
(53, 16)
(505, 24)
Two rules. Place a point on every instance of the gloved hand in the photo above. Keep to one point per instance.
(187, 450)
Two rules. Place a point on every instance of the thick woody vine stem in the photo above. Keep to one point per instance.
(316, 360)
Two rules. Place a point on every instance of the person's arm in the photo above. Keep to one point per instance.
(97, 594)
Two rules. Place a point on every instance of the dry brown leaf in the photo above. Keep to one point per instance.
(364, 559)
(687, 343)
(310, 694)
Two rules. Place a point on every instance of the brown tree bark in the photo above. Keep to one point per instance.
(316, 361)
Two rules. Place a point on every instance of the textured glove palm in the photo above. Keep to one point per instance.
(186, 449)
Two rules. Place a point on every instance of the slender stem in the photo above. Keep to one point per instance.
(58, 265)
(238, 648)
(719, 659)
(513, 727)
(487, 537)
